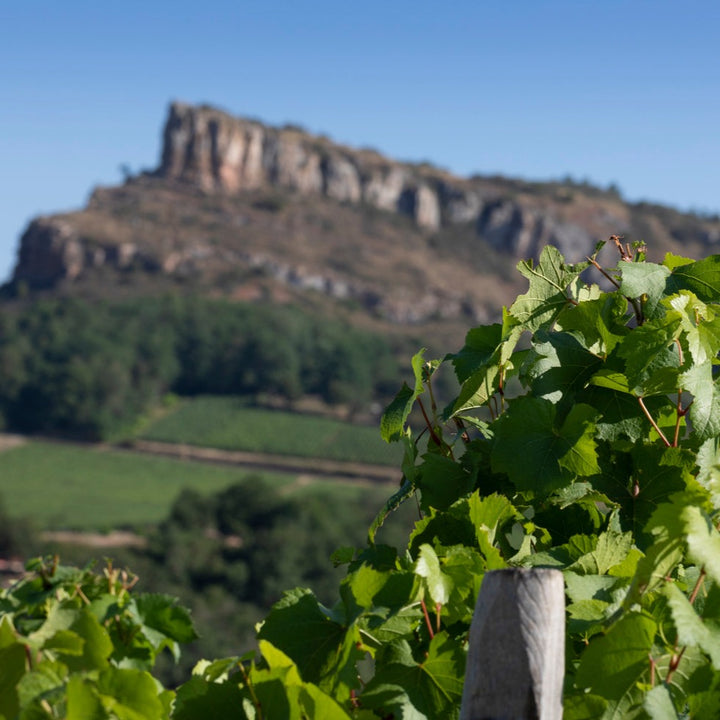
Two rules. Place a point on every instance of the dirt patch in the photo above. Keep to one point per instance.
(261, 461)
(114, 539)
(8, 441)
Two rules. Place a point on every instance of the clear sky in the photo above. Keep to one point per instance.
(624, 92)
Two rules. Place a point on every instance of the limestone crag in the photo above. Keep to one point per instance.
(234, 202)
(218, 152)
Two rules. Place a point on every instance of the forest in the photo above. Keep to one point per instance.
(88, 371)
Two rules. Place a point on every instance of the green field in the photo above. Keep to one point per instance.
(79, 487)
(229, 424)
(93, 488)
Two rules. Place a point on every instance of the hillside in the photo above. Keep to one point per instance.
(251, 212)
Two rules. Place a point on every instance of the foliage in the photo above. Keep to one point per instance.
(585, 437)
(89, 371)
(75, 644)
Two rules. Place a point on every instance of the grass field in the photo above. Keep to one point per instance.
(89, 487)
(93, 488)
(229, 424)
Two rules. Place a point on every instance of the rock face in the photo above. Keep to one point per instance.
(409, 242)
(220, 153)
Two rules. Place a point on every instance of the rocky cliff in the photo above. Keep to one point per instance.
(249, 210)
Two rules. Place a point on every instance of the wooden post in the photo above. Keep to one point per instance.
(516, 657)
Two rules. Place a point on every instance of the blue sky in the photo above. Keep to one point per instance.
(624, 92)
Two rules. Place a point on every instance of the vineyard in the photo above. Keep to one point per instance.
(584, 436)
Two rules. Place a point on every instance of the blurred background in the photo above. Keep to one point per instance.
(225, 229)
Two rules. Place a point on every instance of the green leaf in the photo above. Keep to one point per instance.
(551, 457)
(584, 707)
(392, 423)
(561, 365)
(659, 705)
(130, 694)
(705, 409)
(588, 587)
(616, 661)
(481, 364)
(703, 541)
(438, 584)
(644, 280)
(612, 548)
(163, 614)
(673, 261)
(325, 652)
(652, 359)
(428, 689)
(610, 379)
(12, 662)
(708, 462)
(701, 278)
(489, 513)
(407, 490)
(479, 349)
(442, 481)
(318, 704)
(549, 292)
(83, 701)
(691, 630)
(601, 323)
(700, 326)
(198, 699)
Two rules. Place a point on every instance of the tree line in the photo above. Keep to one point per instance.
(89, 370)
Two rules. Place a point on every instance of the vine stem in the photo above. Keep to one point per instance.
(698, 585)
(427, 619)
(250, 687)
(678, 417)
(430, 428)
(599, 267)
(653, 423)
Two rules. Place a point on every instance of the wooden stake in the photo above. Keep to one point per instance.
(516, 657)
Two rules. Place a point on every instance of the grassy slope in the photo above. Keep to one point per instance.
(226, 423)
(92, 488)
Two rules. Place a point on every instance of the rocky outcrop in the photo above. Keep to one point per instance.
(218, 152)
(51, 250)
(234, 196)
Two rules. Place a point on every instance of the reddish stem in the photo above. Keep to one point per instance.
(430, 428)
(427, 619)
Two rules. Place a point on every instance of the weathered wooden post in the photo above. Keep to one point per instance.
(516, 657)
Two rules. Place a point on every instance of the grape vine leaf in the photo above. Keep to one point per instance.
(392, 423)
(691, 630)
(423, 690)
(198, 699)
(659, 705)
(705, 409)
(644, 280)
(548, 291)
(701, 277)
(552, 456)
(560, 365)
(324, 650)
(613, 663)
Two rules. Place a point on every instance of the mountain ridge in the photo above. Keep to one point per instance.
(253, 212)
